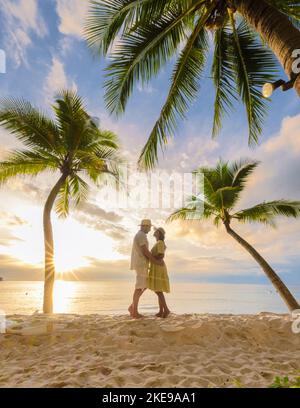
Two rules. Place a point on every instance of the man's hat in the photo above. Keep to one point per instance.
(146, 223)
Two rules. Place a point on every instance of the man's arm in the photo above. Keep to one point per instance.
(149, 256)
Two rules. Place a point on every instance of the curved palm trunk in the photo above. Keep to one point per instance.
(280, 287)
(49, 247)
(276, 29)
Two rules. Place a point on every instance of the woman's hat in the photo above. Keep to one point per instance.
(161, 230)
(146, 223)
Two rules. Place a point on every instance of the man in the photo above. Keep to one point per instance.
(140, 257)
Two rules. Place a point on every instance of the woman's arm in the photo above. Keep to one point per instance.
(160, 256)
(149, 256)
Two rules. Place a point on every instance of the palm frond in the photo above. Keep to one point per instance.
(183, 91)
(241, 170)
(62, 203)
(217, 186)
(217, 221)
(195, 209)
(101, 164)
(106, 18)
(183, 214)
(225, 197)
(268, 211)
(142, 53)
(255, 65)
(29, 125)
(79, 189)
(223, 76)
(21, 163)
(106, 138)
(72, 118)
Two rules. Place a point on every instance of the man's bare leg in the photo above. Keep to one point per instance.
(136, 297)
(133, 308)
(130, 308)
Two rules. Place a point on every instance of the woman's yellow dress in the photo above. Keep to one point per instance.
(158, 279)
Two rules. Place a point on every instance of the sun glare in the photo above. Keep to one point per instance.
(74, 243)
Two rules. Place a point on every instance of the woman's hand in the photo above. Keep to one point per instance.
(159, 260)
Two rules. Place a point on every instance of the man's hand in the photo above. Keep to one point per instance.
(159, 260)
(151, 258)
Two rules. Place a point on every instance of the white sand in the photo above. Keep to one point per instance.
(115, 351)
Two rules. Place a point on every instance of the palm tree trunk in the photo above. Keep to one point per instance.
(49, 247)
(276, 29)
(280, 287)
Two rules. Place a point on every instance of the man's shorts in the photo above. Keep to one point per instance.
(141, 278)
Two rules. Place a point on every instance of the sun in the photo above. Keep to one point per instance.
(65, 263)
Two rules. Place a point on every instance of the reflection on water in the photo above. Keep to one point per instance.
(113, 297)
(64, 293)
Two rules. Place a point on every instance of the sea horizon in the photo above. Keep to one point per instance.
(114, 296)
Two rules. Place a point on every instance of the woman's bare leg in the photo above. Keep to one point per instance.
(166, 311)
(161, 307)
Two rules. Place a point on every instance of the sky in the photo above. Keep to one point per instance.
(45, 53)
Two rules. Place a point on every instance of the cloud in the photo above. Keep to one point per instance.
(7, 238)
(148, 89)
(57, 79)
(12, 269)
(95, 217)
(72, 15)
(21, 20)
(94, 211)
(11, 220)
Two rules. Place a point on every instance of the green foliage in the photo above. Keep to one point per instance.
(72, 145)
(285, 382)
(222, 187)
(253, 66)
(141, 36)
(278, 382)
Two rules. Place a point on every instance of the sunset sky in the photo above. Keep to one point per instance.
(45, 53)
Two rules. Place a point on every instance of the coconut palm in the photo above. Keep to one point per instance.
(247, 35)
(71, 145)
(221, 188)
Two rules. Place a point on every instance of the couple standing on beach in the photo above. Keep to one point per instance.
(150, 268)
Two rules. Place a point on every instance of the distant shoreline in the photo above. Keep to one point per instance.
(177, 281)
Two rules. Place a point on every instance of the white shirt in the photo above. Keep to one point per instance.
(138, 259)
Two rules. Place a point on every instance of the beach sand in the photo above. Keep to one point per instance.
(189, 350)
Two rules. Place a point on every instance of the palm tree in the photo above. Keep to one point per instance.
(247, 34)
(72, 145)
(221, 189)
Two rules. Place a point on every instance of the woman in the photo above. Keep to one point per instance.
(158, 279)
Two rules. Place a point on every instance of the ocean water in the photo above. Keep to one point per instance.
(113, 297)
